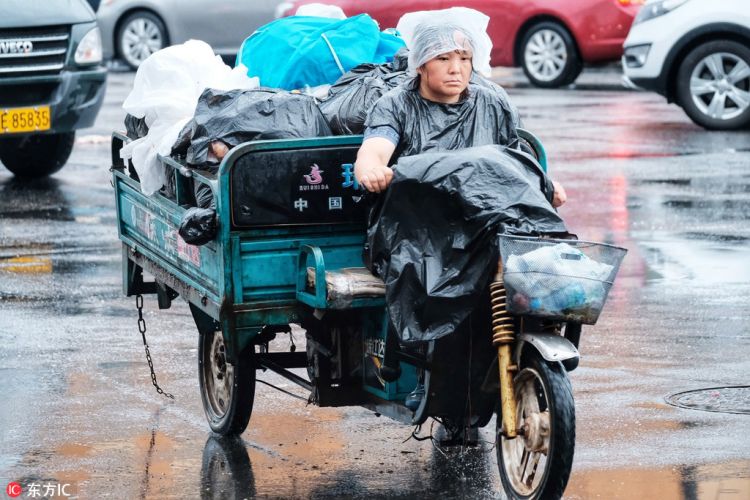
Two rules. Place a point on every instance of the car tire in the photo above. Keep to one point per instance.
(713, 85)
(139, 35)
(549, 55)
(35, 156)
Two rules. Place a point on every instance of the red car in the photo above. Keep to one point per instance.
(549, 39)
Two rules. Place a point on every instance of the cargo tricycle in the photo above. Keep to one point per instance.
(289, 251)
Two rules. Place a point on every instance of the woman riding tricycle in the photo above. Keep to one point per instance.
(466, 303)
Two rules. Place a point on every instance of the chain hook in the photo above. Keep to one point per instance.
(142, 329)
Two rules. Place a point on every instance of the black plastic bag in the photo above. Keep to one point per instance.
(135, 128)
(351, 97)
(238, 116)
(433, 235)
(346, 109)
(204, 197)
(399, 64)
(198, 226)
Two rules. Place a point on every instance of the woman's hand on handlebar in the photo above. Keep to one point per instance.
(560, 197)
(374, 178)
(371, 169)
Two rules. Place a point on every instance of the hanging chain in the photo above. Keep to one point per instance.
(142, 329)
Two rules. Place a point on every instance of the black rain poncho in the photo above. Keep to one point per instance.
(350, 99)
(433, 234)
(482, 117)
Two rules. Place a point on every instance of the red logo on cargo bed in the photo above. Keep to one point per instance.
(314, 177)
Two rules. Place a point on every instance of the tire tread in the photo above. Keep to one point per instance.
(562, 442)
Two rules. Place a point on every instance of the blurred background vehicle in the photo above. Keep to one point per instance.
(132, 30)
(551, 40)
(51, 81)
(695, 53)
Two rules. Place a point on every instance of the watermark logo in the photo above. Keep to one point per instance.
(13, 489)
(39, 490)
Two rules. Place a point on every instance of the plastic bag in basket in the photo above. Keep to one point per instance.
(556, 278)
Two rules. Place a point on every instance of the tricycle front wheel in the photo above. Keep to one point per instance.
(537, 463)
(227, 390)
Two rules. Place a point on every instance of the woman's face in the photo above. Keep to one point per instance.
(445, 77)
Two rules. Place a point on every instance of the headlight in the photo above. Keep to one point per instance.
(656, 9)
(635, 56)
(89, 50)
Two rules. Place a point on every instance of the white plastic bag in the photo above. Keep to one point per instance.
(165, 92)
(473, 22)
(320, 10)
(549, 269)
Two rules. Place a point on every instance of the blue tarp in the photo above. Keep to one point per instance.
(292, 52)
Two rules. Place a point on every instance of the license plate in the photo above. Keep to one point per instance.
(15, 120)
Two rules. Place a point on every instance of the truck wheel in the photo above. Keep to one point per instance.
(35, 156)
(227, 390)
(536, 465)
(713, 85)
(140, 34)
(549, 56)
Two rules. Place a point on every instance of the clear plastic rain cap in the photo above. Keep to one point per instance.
(430, 33)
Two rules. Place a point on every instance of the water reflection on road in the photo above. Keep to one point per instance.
(638, 175)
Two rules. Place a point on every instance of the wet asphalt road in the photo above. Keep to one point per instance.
(78, 407)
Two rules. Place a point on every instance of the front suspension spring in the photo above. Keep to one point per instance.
(502, 322)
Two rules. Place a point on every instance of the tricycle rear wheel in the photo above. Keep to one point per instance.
(227, 390)
(537, 465)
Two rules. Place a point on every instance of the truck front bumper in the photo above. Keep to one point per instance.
(74, 97)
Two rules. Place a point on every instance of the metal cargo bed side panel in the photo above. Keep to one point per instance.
(269, 259)
(149, 225)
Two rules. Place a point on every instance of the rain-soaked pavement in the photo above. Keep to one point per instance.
(79, 409)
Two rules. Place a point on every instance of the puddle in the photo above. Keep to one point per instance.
(94, 139)
(740, 209)
(73, 450)
(673, 182)
(226, 471)
(729, 481)
(46, 259)
(728, 238)
(622, 155)
(703, 260)
(119, 365)
(41, 300)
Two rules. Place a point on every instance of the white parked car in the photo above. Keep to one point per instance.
(695, 53)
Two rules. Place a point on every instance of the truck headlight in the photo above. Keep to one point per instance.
(635, 56)
(89, 49)
(655, 9)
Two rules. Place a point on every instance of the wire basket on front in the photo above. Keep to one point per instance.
(565, 280)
